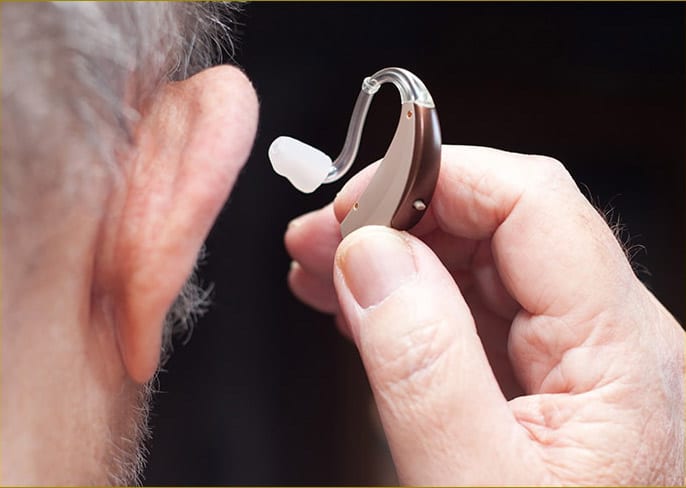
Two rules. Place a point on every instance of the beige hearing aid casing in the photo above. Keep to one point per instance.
(401, 190)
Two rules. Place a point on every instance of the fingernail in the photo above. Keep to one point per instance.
(375, 263)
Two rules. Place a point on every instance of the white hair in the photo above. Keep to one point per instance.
(74, 76)
(83, 69)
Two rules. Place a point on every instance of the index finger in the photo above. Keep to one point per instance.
(554, 252)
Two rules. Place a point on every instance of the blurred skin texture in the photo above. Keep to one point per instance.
(119, 150)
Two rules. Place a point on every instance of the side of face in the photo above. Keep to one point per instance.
(101, 228)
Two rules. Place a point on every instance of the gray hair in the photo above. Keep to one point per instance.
(75, 69)
(74, 77)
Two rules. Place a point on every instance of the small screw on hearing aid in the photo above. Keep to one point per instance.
(402, 188)
(419, 205)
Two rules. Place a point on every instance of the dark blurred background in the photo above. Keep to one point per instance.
(267, 392)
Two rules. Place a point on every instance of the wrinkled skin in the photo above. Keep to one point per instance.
(506, 337)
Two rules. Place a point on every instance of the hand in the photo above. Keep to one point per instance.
(506, 338)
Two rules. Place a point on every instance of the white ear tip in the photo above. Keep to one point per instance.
(305, 166)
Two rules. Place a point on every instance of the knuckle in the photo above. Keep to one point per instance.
(549, 170)
(408, 364)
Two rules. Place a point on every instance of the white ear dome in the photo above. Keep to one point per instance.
(305, 166)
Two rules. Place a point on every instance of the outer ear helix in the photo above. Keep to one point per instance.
(401, 189)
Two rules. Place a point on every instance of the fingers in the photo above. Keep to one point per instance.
(438, 399)
(551, 250)
(310, 289)
(547, 240)
(312, 239)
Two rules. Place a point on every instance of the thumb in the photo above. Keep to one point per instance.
(439, 402)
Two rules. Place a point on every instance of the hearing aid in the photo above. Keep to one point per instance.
(402, 187)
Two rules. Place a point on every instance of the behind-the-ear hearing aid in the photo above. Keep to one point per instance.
(402, 187)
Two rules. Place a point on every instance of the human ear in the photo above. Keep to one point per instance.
(190, 145)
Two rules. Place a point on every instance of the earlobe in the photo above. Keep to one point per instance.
(190, 146)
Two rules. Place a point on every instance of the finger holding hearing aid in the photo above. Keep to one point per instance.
(311, 240)
(505, 336)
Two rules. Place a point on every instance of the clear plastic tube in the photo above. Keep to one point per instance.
(411, 89)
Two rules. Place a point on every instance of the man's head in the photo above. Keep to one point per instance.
(118, 150)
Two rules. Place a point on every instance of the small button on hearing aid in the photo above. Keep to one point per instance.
(419, 205)
(401, 190)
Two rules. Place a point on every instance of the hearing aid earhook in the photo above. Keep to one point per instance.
(401, 190)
